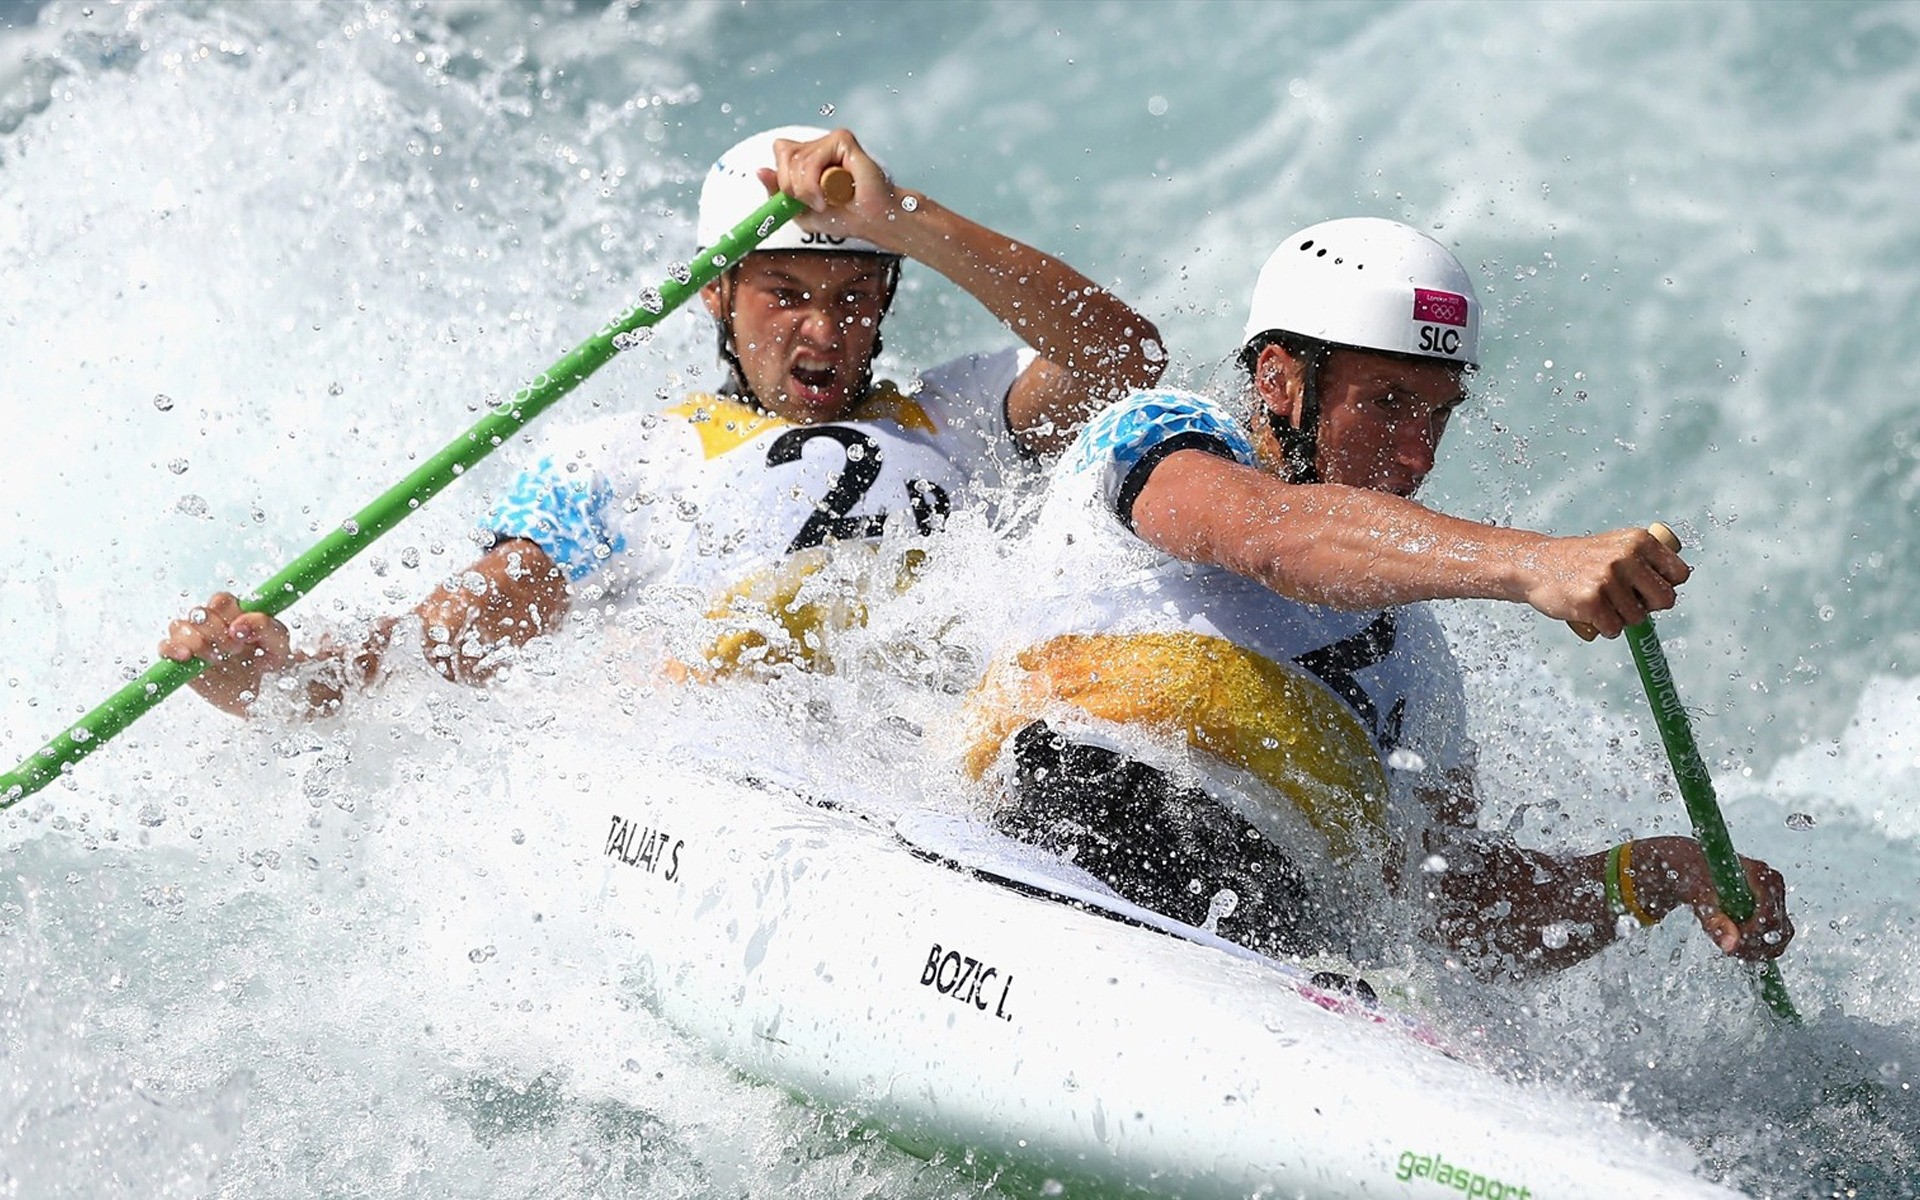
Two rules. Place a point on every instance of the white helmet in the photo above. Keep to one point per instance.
(733, 190)
(1371, 284)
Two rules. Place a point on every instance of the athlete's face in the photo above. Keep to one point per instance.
(1381, 416)
(805, 328)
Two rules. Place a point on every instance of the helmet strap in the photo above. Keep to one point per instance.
(736, 381)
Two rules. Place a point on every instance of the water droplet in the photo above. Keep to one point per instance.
(350, 526)
(1219, 908)
(191, 505)
(519, 837)
(826, 110)
(1157, 105)
(334, 389)
(1555, 936)
(178, 466)
(410, 557)
(164, 403)
(480, 954)
(1800, 821)
(1826, 612)
(1403, 759)
(909, 203)
(1434, 864)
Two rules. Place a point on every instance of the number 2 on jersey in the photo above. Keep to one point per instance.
(831, 518)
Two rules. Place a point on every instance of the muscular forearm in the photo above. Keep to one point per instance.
(1514, 911)
(513, 594)
(1354, 548)
(1349, 548)
(1100, 341)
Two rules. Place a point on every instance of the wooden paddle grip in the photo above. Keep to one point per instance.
(1662, 534)
(837, 183)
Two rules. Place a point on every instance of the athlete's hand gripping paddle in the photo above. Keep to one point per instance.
(1696, 787)
(332, 552)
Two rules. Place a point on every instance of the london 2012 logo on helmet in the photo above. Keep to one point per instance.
(1442, 308)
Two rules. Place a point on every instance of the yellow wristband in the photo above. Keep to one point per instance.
(1621, 865)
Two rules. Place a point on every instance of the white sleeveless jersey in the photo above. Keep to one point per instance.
(713, 490)
(1094, 575)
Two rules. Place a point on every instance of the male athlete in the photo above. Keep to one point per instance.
(801, 451)
(1227, 702)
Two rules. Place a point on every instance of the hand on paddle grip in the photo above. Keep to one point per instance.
(1666, 537)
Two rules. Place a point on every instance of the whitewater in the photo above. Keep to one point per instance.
(257, 260)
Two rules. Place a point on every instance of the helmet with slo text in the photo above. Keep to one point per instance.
(733, 191)
(1369, 284)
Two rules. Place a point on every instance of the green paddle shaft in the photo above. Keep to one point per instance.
(1696, 789)
(332, 552)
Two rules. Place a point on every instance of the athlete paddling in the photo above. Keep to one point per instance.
(1228, 701)
(801, 449)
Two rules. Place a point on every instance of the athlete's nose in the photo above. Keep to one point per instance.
(1418, 441)
(819, 325)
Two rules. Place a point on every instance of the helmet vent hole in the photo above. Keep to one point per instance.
(1307, 245)
(1322, 254)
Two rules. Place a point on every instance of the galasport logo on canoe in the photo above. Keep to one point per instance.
(1467, 1182)
(968, 980)
(1432, 309)
(645, 847)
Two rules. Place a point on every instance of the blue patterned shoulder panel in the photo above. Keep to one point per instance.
(1125, 432)
(563, 512)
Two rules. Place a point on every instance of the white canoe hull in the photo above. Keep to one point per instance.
(815, 950)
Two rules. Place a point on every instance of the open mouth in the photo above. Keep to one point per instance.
(817, 379)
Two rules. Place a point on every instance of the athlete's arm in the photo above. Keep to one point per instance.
(1511, 910)
(1356, 549)
(1094, 348)
(513, 593)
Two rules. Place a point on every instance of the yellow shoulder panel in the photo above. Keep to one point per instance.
(887, 403)
(723, 424)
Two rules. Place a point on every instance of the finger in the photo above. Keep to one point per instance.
(188, 640)
(269, 638)
(224, 606)
(1720, 927)
(800, 165)
(1651, 590)
(1626, 603)
(175, 647)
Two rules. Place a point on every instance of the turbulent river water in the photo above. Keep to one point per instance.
(259, 258)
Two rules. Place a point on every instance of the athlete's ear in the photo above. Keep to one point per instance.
(1276, 379)
(716, 303)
